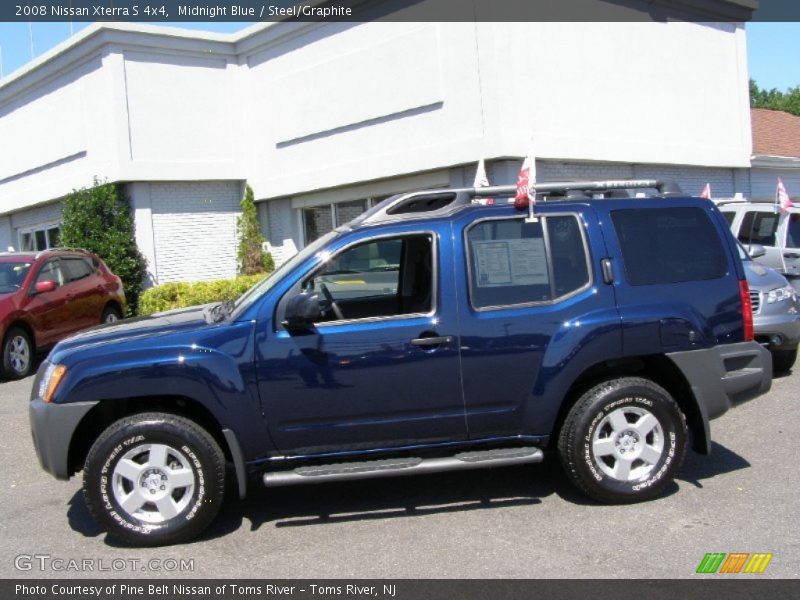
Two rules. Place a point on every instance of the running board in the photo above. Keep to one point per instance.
(394, 467)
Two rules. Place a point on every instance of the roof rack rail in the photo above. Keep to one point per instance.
(442, 201)
(61, 249)
(664, 188)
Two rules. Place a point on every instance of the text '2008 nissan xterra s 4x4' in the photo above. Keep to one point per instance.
(434, 332)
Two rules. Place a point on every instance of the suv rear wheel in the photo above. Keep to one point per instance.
(623, 441)
(154, 478)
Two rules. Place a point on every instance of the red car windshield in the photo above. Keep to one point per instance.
(12, 274)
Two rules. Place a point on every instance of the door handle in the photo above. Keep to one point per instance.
(429, 342)
(791, 255)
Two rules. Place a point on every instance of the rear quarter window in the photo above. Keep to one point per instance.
(512, 262)
(759, 228)
(669, 245)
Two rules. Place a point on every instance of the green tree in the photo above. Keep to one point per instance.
(99, 220)
(774, 99)
(251, 256)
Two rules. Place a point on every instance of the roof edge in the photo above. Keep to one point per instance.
(772, 162)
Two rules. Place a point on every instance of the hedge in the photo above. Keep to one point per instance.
(181, 294)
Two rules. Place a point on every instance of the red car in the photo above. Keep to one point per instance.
(46, 296)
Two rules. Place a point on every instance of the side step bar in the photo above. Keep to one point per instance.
(393, 467)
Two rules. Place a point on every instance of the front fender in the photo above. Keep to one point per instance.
(221, 379)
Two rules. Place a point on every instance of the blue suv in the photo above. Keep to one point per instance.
(437, 331)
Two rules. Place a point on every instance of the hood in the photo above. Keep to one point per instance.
(174, 321)
(763, 278)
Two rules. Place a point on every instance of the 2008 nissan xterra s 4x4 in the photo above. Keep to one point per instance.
(433, 332)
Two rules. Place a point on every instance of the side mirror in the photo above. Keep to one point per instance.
(302, 311)
(42, 287)
(756, 250)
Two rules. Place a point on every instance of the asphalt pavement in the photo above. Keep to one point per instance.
(517, 522)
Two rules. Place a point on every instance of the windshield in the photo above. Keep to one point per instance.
(263, 286)
(12, 274)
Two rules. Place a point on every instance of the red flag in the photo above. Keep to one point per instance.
(782, 197)
(706, 193)
(526, 182)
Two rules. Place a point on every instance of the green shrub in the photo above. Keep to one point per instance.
(99, 220)
(181, 294)
(251, 256)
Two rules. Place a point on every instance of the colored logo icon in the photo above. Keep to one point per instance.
(733, 563)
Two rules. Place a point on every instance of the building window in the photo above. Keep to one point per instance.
(319, 220)
(40, 238)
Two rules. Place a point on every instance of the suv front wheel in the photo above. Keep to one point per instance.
(623, 441)
(154, 478)
(18, 354)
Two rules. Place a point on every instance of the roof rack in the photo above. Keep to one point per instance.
(61, 249)
(444, 201)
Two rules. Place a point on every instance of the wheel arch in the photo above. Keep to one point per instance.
(104, 413)
(113, 304)
(657, 368)
(25, 326)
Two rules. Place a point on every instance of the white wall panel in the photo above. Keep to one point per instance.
(179, 108)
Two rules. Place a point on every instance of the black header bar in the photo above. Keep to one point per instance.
(156, 11)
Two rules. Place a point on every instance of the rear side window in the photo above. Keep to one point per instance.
(512, 262)
(669, 245)
(759, 228)
(76, 268)
(793, 231)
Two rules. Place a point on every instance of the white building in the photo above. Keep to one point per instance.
(323, 119)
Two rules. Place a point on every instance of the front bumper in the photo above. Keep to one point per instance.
(52, 427)
(724, 376)
(784, 325)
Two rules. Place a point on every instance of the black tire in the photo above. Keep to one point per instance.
(15, 365)
(193, 450)
(110, 314)
(589, 426)
(783, 360)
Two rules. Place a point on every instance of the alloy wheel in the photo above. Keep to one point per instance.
(628, 443)
(153, 483)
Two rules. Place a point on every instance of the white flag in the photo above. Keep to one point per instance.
(481, 179)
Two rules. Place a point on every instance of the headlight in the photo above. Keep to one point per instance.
(781, 294)
(50, 380)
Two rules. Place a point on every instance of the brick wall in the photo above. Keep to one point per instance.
(194, 229)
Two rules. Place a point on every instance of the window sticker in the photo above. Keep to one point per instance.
(510, 262)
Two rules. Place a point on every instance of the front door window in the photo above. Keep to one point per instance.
(380, 278)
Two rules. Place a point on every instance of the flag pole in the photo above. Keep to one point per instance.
(779, 210)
